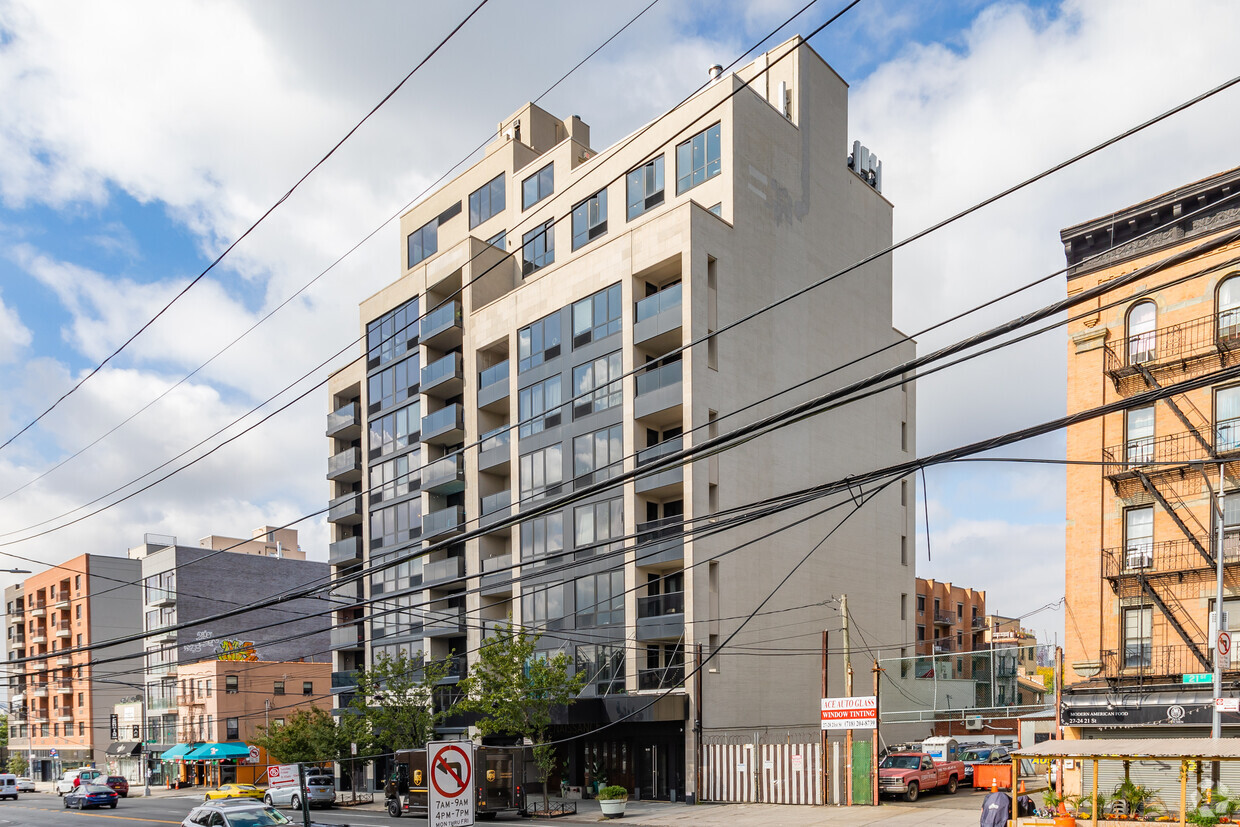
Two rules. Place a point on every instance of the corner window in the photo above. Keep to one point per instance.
(590, 219)
(1141, 320)
(423, 243)
(697, 159)
(486, 201)
(596, 317)
(644, 186)
(538, 248)
(538, 342)
(538, 186)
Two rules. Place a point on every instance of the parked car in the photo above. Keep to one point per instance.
(73, 778)
(226, 791)
(911, 773)
(320, 791)
(118, 783)
(235, 813)
(8, 785)
(91, 795)
(25, 785)
(983, 754)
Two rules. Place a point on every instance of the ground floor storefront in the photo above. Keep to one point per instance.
(206, 764)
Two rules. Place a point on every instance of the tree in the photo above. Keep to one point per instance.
(17, 764)
(306, 736)
(395, 699)
(513, 689)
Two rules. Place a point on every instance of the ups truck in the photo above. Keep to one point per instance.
(499, 773)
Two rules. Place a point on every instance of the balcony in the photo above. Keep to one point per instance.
(37, 609)
(445, 476)
(1147, 661)
(64, 660)
(18, 642)
(661, 541)
(493, 452)
(155, 703)
(345, 466)
(444, 377)
(38, 637)
(63, 630)
(495, 507)
(445, 622)
(664, 481)
(345, 423)
(497, 575)
(1163, 456)
(344, 681)
(445, 426)
(17, 616)
(160, 598)
(64, 716)
(442, 328)
(449, 568)
(1184, 349)
(493, 387)
(348, 636)
(447, 522)
(38, 690)
(661, 616)
(944, 645)
(162, 636)
(658, 390)
(345, 510)
(657, 320)
(1170, 557)
(979, 624)
(667, 678)
(944, 619)
(345, 552)
(62, 604)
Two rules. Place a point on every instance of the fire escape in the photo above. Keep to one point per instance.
(1157, 470)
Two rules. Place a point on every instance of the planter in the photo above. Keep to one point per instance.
(613, 807)
(1065, 821)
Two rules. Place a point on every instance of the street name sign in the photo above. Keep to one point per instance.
(451, 790)
(1198, 677)
(850, 713)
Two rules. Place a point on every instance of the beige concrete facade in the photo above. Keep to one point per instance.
(1140, 550)
(776, 209)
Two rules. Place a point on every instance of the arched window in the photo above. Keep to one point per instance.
(1229, 308)
(1141, 320)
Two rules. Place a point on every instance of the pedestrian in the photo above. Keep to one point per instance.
(996, 809)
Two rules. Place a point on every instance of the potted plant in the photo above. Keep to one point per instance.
(612, 799)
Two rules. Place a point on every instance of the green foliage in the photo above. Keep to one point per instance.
(1050, 799)
(17, 764)
(513, 690)
(395, 700)
(612, 793)
(307, 735)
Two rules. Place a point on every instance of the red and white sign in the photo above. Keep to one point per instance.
(850, 713)
(1227, 704)
(281, 775)
(1223, 649)
(254, 757)
(451, 791)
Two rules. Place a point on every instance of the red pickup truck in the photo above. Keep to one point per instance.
(911, 773)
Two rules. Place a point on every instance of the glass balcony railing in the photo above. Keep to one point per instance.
(440, 320)
(662, 377)
(666, 678)
(444, 473)
(449, 367)
(667, 446)
(661, 605)
(445, 419)
(498, 438)
(496, 502)
(449, 568)
(344, 680)
(445, 521)
(500, 562)
(345, 462)
(493, 375)
(654, 305)
(343, 419)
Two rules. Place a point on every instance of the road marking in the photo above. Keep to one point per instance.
(101, 815)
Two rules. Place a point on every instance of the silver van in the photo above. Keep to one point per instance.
(320, 791)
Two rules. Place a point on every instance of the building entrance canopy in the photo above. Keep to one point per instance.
(1174, 708)
(120, 748)
(216, 752)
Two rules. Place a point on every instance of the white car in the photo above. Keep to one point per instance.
(234, 812)
(72, 778)
(25, 785)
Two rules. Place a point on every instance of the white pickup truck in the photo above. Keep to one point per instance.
(72, 778)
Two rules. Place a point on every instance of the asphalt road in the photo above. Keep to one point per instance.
(43, 810)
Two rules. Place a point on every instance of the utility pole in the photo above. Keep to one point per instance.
(1058, 717)
(303, 794)
(146, 761)
(1216, 724)
(874, 737)
(825, 761)
(848, 693)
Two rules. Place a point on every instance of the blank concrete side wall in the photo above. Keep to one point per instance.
(115, 611)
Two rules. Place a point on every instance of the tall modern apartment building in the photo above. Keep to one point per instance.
(530, 347)
(1142, 544)
(61, 700)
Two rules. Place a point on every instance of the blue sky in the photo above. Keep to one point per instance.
(118, 183)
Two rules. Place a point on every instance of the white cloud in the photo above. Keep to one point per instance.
(14, 336)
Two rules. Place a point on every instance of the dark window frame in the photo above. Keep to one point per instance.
(645, 188)
(699, 149)
(543, 178)
(482, 201)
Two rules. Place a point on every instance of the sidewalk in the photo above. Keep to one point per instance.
(662, 814)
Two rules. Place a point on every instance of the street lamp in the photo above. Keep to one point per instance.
(15, 571)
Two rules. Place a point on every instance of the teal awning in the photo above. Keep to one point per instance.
(215, 752)
(178, 751)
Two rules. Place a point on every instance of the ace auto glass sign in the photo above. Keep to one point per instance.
(850, 713)
(450, 792)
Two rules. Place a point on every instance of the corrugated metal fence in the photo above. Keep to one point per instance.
(767, 773)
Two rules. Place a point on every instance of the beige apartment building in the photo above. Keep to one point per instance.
(60, 702)
(1141, 552)
(530, 347)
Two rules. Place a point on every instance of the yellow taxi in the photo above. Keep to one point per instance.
(234, 791)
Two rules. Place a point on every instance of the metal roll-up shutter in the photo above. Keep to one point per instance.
(1161, 775)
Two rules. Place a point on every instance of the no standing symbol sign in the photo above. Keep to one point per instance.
(451, 792)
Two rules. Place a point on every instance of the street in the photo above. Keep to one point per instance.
(45, 810)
